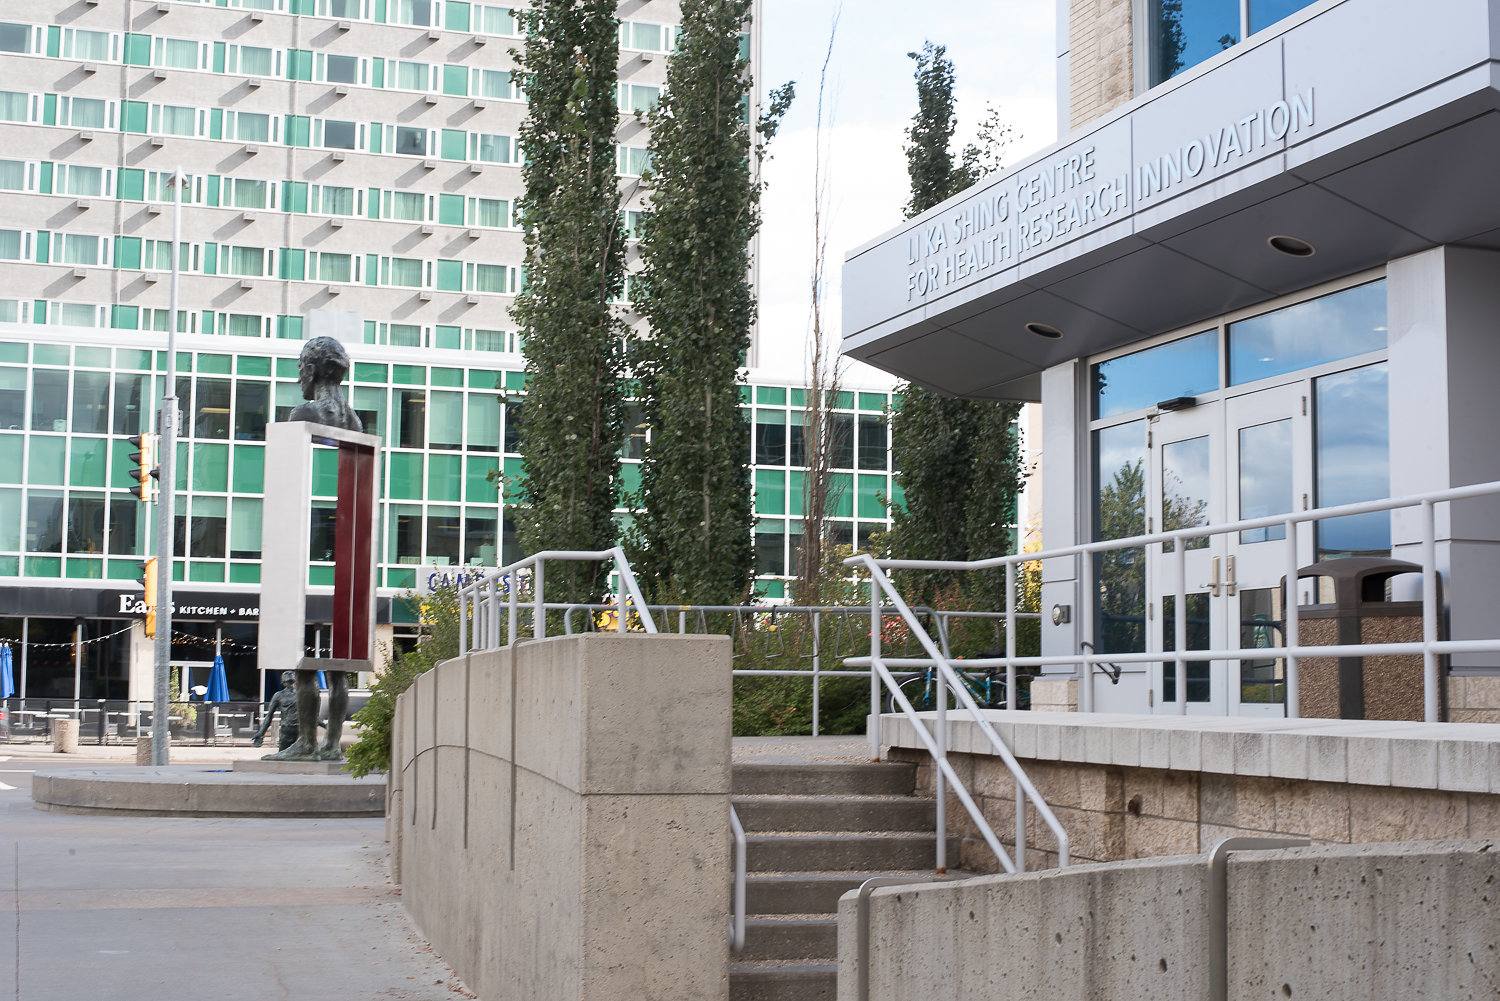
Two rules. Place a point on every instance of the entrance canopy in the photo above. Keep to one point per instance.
(1351, 134)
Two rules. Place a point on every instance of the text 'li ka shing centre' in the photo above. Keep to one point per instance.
(1258, 279)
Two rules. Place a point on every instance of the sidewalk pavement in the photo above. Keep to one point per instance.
(185, 909)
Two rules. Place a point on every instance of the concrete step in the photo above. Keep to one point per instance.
(801, 937)
(859, 853)
(884, 778)
(798, 892)
(774, 980)
(836, 813)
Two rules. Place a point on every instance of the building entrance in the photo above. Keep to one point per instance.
(1247, 456)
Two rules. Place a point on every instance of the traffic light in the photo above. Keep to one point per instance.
(146, 473)
(148, 580)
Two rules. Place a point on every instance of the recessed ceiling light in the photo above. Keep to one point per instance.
(1291, 246)
(1044, 330)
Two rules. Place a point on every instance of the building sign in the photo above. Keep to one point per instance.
(187, 605)
(430, 578)
(1046, 203)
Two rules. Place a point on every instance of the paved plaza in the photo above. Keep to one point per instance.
(138, 908)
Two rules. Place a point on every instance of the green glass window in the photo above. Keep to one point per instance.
(478, 486)
(770, 491)
(249, 469)
(10, 520)
(89, 463)
(211, 468)
(44, 521)
(484, 423)
(406, 475)
(209, 528)
(444, 477)
(10, 457)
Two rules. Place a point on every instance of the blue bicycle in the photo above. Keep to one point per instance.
(985, 685)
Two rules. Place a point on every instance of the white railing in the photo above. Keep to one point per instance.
(936, 740)
(480, 603)
(1430, 648)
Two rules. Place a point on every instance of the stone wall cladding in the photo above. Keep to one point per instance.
(1101, 70)
(1400, 789)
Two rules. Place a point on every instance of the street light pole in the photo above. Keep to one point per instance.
(166, 498)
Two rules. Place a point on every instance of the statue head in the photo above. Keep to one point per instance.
(288, 679)
(323, 363)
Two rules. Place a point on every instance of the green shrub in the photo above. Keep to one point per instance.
(439, 617)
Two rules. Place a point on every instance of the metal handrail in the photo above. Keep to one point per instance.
(816, 672)
(1430, 648)
(737, 920)
(936, 744)
(479, 603)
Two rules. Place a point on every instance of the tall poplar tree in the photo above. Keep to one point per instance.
(573, 413)
(692, 538)
(959, 459)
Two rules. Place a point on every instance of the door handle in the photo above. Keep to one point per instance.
(1229, 582)
(1213, 579)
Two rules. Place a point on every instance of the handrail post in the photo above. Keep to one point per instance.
(513, 593)
(1291, 615)
(1218, 904)
(1010, 636)
(874, 726)
(1086, 606)
(463, 623)
(816, 668)
(492, 616)
(1179, 625)
(619, 597)
(538, 607)
(1431, 681)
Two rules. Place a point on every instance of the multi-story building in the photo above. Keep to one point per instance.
(352, 166)
(1257, 276)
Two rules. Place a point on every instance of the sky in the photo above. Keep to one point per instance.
(1003, 53)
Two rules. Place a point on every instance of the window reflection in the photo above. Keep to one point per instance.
(1265, 477)
(49, 400)
(1261, 627)
(1120, 512)
(1199, 685)
(1186, 32)
(1184, 489)
(1340, 325)
(1184, 367)
(1352, 437)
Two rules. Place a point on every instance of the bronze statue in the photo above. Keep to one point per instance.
(321, 369)
(285, 702)
(321, 366)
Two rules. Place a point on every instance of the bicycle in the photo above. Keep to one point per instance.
(985, 685)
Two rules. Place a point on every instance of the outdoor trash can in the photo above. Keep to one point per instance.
(1373, 687)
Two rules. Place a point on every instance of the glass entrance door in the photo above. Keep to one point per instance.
(1247, 456)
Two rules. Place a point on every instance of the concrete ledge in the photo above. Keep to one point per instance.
(290, 767)
(1448, 757)
(188, 791)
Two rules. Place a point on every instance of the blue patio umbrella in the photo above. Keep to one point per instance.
(218, 683)
(7, 678)
(322, 681)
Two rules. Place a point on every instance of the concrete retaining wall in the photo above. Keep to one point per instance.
(1414, 920)
(559, 817)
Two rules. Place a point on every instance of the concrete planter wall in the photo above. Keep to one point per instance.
(559, 817)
